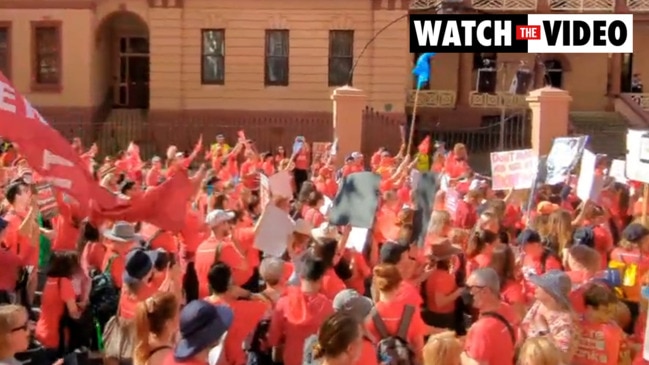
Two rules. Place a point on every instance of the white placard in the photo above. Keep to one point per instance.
(328, 203)
(637, 155)
(280, 184)
(588, 185)
(618, 171)
(357, 239)
(273, 231)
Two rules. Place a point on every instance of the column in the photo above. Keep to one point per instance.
(348, 106)
(465, 78)
(615, 76)
(550, 117)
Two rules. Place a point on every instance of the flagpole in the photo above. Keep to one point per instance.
(412, 120)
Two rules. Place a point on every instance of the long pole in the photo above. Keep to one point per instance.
(412, 119)
(501, 139)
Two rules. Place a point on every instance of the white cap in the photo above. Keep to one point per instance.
(218, 216)
(302, 227)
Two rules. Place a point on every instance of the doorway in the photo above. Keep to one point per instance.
(627, 73)
(133, 73)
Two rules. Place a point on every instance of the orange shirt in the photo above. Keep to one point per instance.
(203, 261)
(302, 159)
(245, 236)
(440, 282)
(408, 293)
(17, 243)
(56, 293)
(247, 314)
(489, 341)
(249, 175)
(128, 302)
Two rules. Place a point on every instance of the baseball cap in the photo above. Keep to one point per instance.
(349, 301)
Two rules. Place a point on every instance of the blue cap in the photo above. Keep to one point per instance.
(139, 262)
(202, 325)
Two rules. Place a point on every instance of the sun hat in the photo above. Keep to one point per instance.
(556, 283)
(218, 216)
(122, 232)
(349, 301)
(443, 249)
(202, 325)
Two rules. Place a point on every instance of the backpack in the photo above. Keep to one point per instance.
(104, 294)
(257, 353)
(394, 349)
(307, 355)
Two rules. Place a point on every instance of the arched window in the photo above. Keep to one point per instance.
(553, 73)
(414, 78)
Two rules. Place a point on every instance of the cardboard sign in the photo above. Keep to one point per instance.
(513, 169)
(637, 157)
(618, 171)
(273, 231)
(563, 158)
(280, 184)
(356, 201)
(46, 200)
(589, 186)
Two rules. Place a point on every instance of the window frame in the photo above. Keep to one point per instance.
(58, 26)
(331, 57)
(205, 55)
(267, 57)
(6, 25)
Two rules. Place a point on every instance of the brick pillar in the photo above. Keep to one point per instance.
(550, 117)
(348, 106)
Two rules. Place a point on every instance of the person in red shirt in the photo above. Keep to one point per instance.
(220, 223)
(399, 255)
(23, 232)
(11, 265)
(202, 327)
(268, 165)
(326, 183)
(491, 339)
(250, 171)
(302, 163)
(536, 259)
(466, 215)
(351, 303)
(155, 175)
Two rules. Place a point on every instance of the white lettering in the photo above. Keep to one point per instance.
(61, 183)
(482, 39)
(452, 35)
(32, 113)
(7, 96)
(426, 34)
(51, 159)
(502, 33)
(468, 26)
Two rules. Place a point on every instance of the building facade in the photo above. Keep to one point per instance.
(208, 61)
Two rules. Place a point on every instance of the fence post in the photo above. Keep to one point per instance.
(348, 106)
(550, 117)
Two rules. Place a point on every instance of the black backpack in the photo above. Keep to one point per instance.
(394, 349)
(256, 350)
(104, 295)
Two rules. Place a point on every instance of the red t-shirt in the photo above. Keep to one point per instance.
(56, 293)
(489, 341)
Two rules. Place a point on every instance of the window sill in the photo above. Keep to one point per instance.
(46, 88)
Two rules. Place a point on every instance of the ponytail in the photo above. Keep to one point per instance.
(142, 330)
(318, 351)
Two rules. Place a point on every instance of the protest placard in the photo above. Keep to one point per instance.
(46, 200)
(513, 169)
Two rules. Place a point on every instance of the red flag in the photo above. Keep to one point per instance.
(164, 205)
(424, 146)
(52, 157)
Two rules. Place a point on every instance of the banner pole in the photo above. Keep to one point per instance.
(412, 120)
